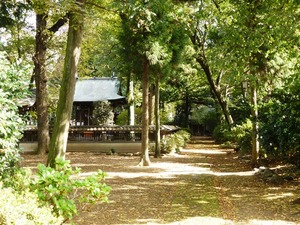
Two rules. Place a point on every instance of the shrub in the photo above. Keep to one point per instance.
(9, 163)
(279, 127)
(241, 135)
(12, 88)
(62, 188)
(221, 133)
(102, 113)
(24, 208)
(175, 142)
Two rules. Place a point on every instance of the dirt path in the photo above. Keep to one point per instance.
(201, 185)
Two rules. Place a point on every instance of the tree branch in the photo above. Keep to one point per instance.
(217, 5)
(101, 7)
(59, 24)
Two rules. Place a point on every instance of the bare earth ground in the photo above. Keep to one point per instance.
(202, 185)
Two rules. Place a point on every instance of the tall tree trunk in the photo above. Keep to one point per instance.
(254, 114)
(157, 119)
(201, 59)
(145, 160)
(40, 77)
(59, 137)
(131, 103)
(186, 108)
(216, 91)
(41, 84)
(131, 109)
(151, 108)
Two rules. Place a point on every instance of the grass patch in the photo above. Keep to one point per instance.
(195, 197)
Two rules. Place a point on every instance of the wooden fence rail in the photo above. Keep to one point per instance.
(103, 133)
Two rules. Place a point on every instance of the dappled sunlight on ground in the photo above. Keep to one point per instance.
(201, 185)
(169, 170)
(205, 151)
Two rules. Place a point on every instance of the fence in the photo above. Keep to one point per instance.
(111, 133)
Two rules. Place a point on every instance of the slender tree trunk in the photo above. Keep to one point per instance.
(59, 137)
(254, 114)
(151, 108)
(41, 84)
(186, 108)
(157, 119)
(216, 91)
(131, 103)
(145, 160)
(131, 109)
(40, 77)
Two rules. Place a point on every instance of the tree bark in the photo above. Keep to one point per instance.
(40, 77)
(131, 104)
(216, 91)
(41, 84)
(151, 96)
(58, 144)
(131, 109)
(157, 119)
(201, 59)
(145, 160)
(186, 108)
(254, 134)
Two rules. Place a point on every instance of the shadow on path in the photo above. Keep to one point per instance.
(201, 185)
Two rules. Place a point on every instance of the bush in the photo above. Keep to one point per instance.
(62, 188)
(102, 113)
(279, 127)
(175, 142)
(239, 136)
(24, 208)
(9, 163)
(12, 88)
(221, 133)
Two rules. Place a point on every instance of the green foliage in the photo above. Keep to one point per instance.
(238, 136)
(122, 118)
(12, 90)
(206, 116)
(9, 163)
(280, 122)
(221, 133)
(62, 187)
(102, 113)
(24, 208)
(174, 142)
(241, 134)
(167, 114)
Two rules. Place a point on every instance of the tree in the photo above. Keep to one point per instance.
(13, 78)
(100, 45)
(17, 33)
(238, 41)
(43, 35)
(59, 137)
(147, 35)
(258, 37)
(157, 117)
(145, 160)
(204, 15)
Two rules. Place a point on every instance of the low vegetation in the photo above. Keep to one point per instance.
(51, 196)
(175, 142)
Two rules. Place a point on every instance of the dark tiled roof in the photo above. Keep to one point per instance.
(97, 89)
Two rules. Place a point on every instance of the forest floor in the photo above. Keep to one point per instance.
(203, 184)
